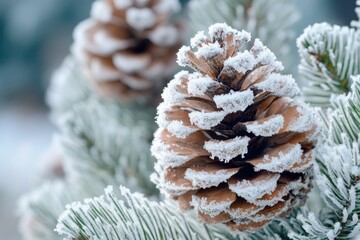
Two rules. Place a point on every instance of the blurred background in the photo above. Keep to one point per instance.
(35, 36)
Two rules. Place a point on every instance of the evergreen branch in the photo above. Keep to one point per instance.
(346, 114)
(111, 141)
(134, 217)
(268, 20)
(68, 87)
(330, 55)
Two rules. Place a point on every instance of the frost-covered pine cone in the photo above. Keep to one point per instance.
(128, 46)
(232, 143)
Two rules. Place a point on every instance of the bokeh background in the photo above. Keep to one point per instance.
(35, 36)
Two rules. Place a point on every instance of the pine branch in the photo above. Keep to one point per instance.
(356, 24)
(268, 20)
(68, 87)
(40, 209)
(330, 55)
(346, 114)
(111, 141)
(132, 216)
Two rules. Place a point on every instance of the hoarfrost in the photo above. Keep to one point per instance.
(280, 85)
(227, 149)
(130, 63)
(251, 190)
(171, 94)
(198, 85)
(206, 120)
(284, 161)
(234, 101)
(209, 50)
(140, 19)
(267, 128)
(101, 11)
(241, 62)
(305, 121)
(198, 40)
(212, 208)
(182, 56)
(205, 179)
(165, 35)
(178, 129)
(220, 30)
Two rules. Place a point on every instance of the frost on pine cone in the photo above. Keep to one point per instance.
(232, 143)
(128, 46)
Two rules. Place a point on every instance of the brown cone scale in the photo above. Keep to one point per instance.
(232, 143)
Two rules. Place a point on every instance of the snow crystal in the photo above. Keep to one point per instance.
(227, 149)
(165, 35)
(165, 156)
(101, 11)
(140, 19)
(205, 179)
(102, 72)
(206, 120)
(212, 208)
(267, 57)
(241, 62)
(198, 85)
(182, 56)
(130, 63)
(306, 119)
(178, 129)
(209, 50)
(242, 37)
(234, 101)
(198, 40)
(284, 161)
(267, 128)
(258, 47)
(167, 6)
(280, 85)
(171, 94)
(269, 215)
(122, 4)
(251, 190)
(220, 30)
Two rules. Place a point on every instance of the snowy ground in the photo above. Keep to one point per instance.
(25, 135)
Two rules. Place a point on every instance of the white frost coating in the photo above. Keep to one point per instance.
(173, 189)
(122, 4)
(269, 215)
(220, 30)
(212, 208)
(102, 72)
(306, 119)
(241, 62)
(258, 47)
(101, 11)
(206, 120)
(171, 94)
(280, 85)
(199, 84)
(284, 161)
(165, 35)
(105, 44)
(227, 149)
(166, 157)
(179, 130)
(251, 191)
(140, 19)
(205, 179)
(267, 128)
(167, 7)
(234, 101)
(130, 63)
(209, 50)
(267, 57)
(306, 166)
(198, 40)
(182, 56)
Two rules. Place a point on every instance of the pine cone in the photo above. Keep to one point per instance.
(232, 143)
(128, 46)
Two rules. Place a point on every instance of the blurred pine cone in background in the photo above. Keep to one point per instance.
(232, 143)
(128, 46)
